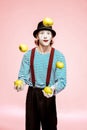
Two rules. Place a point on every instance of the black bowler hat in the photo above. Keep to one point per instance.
(43, 27)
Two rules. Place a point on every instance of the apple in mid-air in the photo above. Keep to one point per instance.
(59, 64)
(23, 47)
(47, 21)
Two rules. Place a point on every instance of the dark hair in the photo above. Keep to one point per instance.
(37, 42)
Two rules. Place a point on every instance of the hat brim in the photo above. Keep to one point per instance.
(37, 30)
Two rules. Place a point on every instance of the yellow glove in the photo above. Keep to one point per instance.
(19, 85)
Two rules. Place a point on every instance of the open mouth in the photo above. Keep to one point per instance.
(45, 40)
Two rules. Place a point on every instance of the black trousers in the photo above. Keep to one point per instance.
(40, 111)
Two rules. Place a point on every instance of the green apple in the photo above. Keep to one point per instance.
(47, 21)
(48, 90)
(59, 64)
(23, 47)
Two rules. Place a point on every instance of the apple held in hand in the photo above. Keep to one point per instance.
(59, 64)
(23, 47)
(18, 83)
(48, 90)
(47, 22)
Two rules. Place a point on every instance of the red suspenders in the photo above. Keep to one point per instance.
(32, 66)
(49, 66)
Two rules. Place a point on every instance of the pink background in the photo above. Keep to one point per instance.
(18, 20)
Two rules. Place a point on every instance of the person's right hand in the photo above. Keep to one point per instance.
(19, 85)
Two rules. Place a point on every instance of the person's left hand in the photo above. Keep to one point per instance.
(48, 95)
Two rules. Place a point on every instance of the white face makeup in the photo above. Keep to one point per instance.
(45, 37)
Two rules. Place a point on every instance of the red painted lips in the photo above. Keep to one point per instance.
(45, 40)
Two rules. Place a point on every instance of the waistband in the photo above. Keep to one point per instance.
(35, 87)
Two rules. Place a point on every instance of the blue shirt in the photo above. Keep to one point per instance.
(58, 76)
